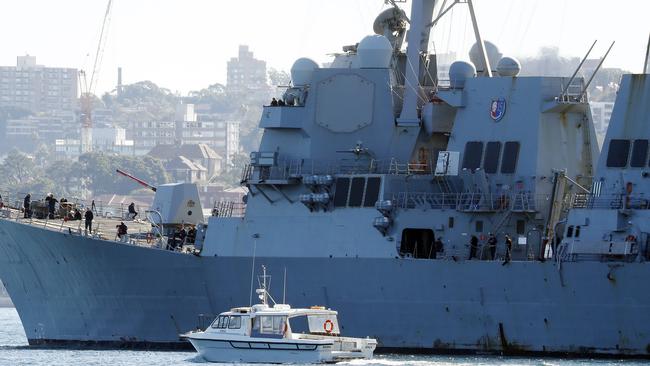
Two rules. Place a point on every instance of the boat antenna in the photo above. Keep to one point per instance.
(647, 53)
(284, 287)
(250, 300)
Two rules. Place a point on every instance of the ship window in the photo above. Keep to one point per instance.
(577, 232)
(372, 191)
(510, 156)
(639, 153)
(450, 222)
(473, 155)
(521, 227)
(235, 322)
(569, 232)
(479, 226)
(492, 152)
(221, 322)
(269, 324)
(618, 153)
(341, 194)
(356, 192)
(417, 243)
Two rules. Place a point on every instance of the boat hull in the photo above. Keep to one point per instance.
(74, 290)
(215, 350)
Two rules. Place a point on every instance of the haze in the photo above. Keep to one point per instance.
(184, 45)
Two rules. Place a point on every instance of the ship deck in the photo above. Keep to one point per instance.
(104, 228)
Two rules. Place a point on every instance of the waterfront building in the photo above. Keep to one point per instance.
(37, 88)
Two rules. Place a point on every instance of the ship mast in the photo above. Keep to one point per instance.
(418, 40)
(421, 14)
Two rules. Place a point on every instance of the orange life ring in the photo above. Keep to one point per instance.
(149, 238)
(630, 238)
(328, 326)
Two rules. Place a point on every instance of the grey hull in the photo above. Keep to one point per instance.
(69, 289)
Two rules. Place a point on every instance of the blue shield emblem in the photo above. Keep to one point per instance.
(497, 109)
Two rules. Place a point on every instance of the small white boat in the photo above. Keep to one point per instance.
(278, 334)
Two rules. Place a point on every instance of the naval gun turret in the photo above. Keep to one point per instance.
(174, 204)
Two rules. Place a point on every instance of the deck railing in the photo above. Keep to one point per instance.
(617, 201)
(472, 201)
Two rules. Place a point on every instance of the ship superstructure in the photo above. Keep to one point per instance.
(438, 206)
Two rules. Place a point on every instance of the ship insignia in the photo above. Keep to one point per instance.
(497, 109)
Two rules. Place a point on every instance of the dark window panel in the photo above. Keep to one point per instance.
(639, 153)
(356, 191)
(372, 191)
(341, 193)
(510, 157)
(618, 153)
(473, 155)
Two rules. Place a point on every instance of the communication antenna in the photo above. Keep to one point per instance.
(566, 87)
(250, 300)
(284, 287)
(584, 90)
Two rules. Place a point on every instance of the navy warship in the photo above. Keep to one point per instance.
(474, 214)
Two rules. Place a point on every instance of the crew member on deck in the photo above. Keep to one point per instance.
(88, 224)
(508, 250)
(274, 102)
(492, 245)
(473, 246)
(132, 212)
(122, 231)
(26, 205)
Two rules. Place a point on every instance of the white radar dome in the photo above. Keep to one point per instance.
(492, 51)
(374, 52)
(459, 71)
(508, 66)
(302, 70)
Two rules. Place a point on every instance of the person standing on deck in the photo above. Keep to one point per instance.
(508, 250)
(26, 205)
(492, 245)
(89, 221)
(473, 246)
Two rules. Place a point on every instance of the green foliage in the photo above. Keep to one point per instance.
(231, 176)
(94, 171)
(143, 100)
(101, 176)
(17, 169)
(278, 77)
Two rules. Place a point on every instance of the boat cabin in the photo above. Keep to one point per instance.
(278, 321)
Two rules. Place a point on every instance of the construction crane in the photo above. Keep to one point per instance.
(88, 86)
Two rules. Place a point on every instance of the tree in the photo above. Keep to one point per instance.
(17, 169)
(278, 77)
(100, 170)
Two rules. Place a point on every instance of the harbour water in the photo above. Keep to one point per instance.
(15, 352)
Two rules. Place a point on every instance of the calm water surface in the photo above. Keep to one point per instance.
(14, 351)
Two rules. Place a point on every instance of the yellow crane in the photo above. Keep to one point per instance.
(87, 87)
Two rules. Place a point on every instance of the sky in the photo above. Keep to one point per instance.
(184, 45)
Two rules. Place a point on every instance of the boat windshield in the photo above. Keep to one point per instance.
(269, 325)
(226, 321)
